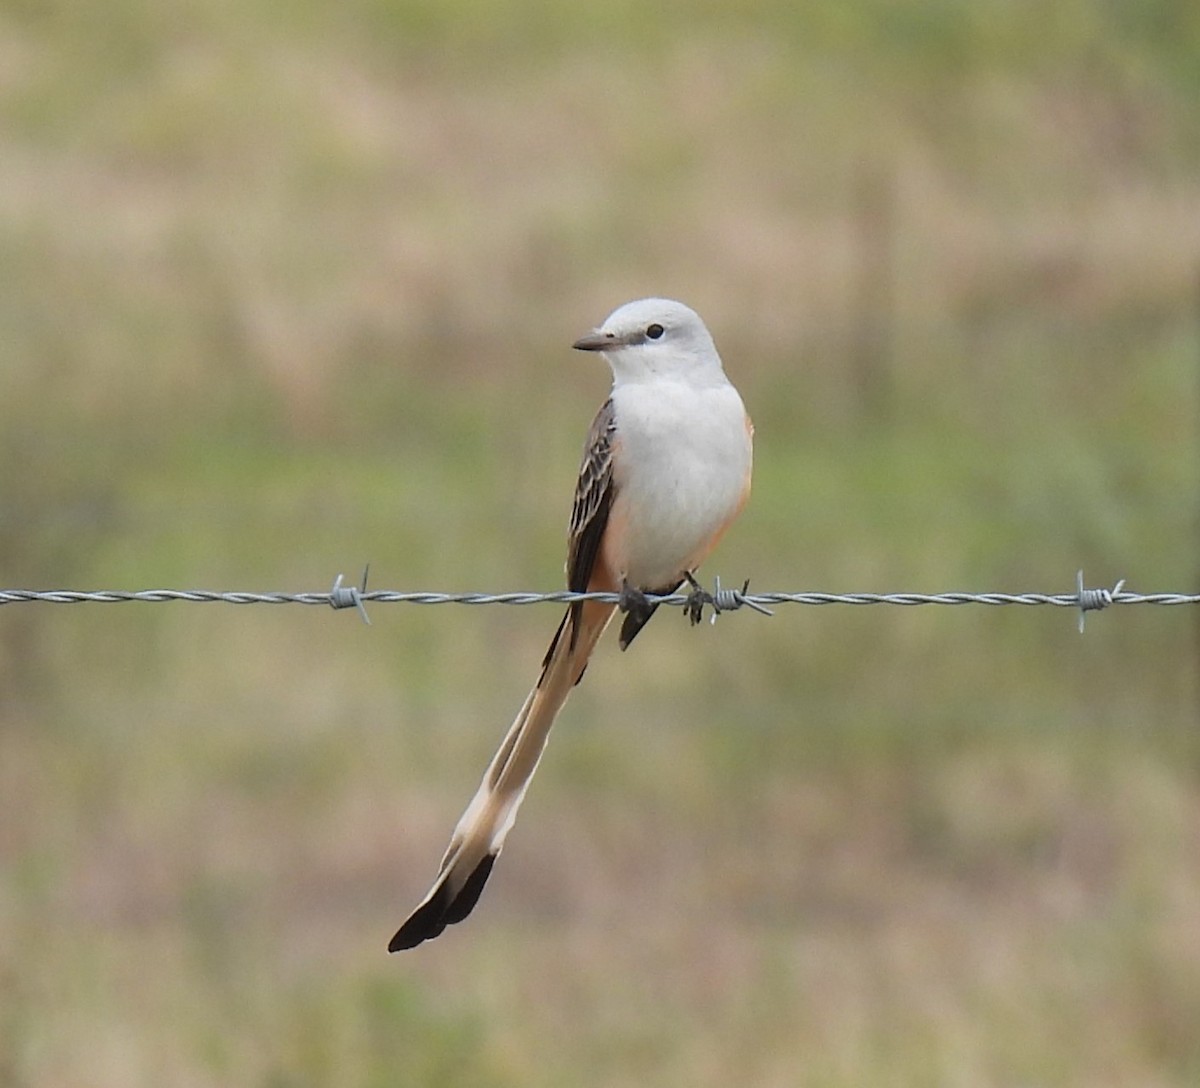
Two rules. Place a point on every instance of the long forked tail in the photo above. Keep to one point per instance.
(481, 831)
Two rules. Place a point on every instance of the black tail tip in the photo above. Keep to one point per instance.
(425, 923)
(443, 907)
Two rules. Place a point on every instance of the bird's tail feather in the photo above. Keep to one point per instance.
(481, 831)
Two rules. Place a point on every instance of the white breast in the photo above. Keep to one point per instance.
(681, 474)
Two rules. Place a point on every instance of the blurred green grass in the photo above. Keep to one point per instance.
(290, 287)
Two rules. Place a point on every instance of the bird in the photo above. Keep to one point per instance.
(665, 471)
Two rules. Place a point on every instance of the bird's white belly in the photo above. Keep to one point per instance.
(682, 474)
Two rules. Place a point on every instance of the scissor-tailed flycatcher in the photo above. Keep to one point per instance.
(665, 471)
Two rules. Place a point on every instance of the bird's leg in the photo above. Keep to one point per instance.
(634, 603)
(693, 607)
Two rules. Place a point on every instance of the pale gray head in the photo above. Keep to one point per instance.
(654, 337)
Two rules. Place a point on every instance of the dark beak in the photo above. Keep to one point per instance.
(594, 341)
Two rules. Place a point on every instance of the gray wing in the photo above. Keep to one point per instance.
(593, 500)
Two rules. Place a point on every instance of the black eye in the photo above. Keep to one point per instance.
(654, 331)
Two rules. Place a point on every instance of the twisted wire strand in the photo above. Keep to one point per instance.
(722, 599)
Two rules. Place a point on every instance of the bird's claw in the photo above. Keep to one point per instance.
(693, 606)
(635, 603)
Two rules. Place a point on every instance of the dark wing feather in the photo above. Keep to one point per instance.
(593, 500)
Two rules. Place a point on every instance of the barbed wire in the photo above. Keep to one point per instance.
(721, 599)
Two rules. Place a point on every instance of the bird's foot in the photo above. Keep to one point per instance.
(693, 607)
(635, 603)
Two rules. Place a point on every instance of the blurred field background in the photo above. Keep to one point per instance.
(290, 287)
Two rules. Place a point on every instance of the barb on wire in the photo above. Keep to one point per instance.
(722, 599)
(729, 600)
(343, 596)
(1092, 600)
